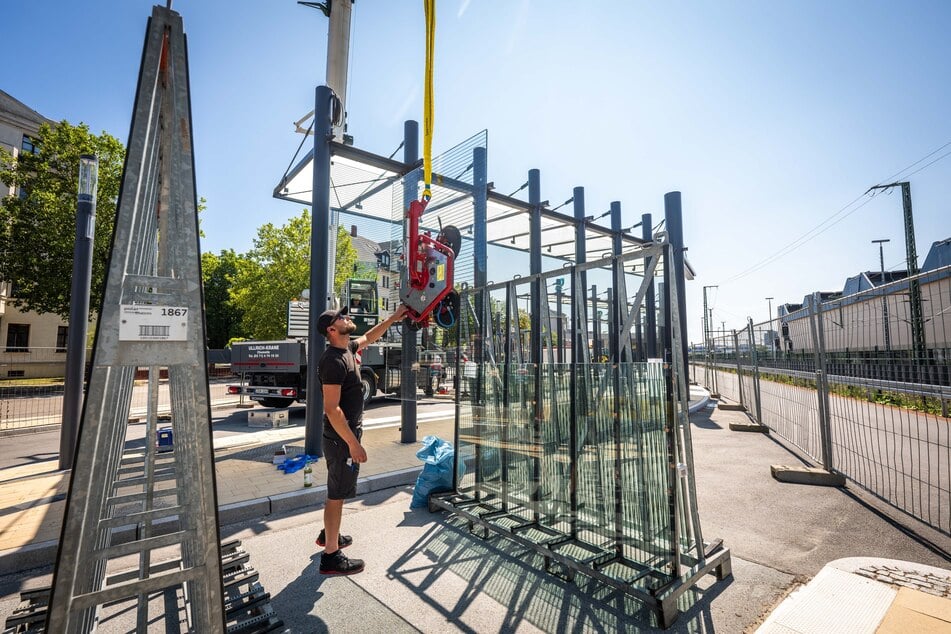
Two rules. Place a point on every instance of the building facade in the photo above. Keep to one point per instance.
(31, 345)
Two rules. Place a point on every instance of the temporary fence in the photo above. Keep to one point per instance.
(860, 385)
(32, 384)
(25, 408)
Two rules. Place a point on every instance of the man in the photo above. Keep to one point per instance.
(339, 375)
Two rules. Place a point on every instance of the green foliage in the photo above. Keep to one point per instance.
(222, 318)
(927, 404)
(363, 270)
(37, 231)
(346, 262)
(276, 270)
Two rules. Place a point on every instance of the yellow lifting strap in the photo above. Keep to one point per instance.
(428, 108)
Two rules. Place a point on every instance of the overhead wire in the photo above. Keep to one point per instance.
(840, 215)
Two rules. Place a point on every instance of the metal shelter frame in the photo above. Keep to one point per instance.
(346, 180)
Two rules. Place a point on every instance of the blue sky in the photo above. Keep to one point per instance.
(769, 117)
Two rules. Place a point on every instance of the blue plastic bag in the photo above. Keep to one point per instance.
(437, 456)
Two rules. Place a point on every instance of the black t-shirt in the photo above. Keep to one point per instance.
(339, 367)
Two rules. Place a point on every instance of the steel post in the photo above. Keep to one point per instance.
(79, 308)
(538, 287)
(739, 367)
(321, 260)
(409, 356)
(560, 322)
(596, 325)
(674, 220)
(581, 254)
(650, 303)
(757, 403)
(480, 267)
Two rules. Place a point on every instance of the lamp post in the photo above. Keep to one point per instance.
(772, 339)
(881, 260)
(79, 308)
(707, 326)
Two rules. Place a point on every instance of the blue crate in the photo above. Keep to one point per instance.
(164, 439)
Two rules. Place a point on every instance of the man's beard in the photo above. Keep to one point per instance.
(347, 328)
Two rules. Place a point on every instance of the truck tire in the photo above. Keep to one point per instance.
(368, 381)
(277, 402)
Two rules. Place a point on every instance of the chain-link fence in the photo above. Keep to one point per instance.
(860, 385)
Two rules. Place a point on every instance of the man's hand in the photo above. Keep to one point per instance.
(358, 453)
(400, 311)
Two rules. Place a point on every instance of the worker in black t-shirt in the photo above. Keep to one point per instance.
(339, 374)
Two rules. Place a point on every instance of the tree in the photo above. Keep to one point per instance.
(222, 318)
(276, 270)
(38, 225)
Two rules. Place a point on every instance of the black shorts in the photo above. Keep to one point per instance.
(342, 473)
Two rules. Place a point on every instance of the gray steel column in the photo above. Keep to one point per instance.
(538, 287)
(79, 308)
(320, 262)
(410, 355)
(615, 322)
(596, 325)
(616, 318)
(674, 220)
(480, 256)
(480, 195)
(559, 320)
(580, 337)
(650, 303)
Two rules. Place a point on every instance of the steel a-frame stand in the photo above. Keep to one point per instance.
(130, 502)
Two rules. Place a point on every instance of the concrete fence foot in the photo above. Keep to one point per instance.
(807, 475)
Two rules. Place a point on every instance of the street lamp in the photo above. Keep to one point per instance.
(79, 308)
(707, 319)
(881, 260)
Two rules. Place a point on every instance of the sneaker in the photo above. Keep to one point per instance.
(339, 564)
(342, 540)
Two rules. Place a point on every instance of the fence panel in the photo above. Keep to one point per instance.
(40, 405)
(790, 410)
(888, 374)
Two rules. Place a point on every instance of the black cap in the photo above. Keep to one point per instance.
(327, 318)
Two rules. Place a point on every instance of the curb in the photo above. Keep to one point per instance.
(44, 553)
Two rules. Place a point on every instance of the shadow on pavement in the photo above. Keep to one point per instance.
(301, 596)
(703, 419)
(516, 578)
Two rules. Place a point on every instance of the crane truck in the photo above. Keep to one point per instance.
(275, 372)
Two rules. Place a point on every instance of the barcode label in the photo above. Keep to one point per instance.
(150, 322)
(153, 331)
